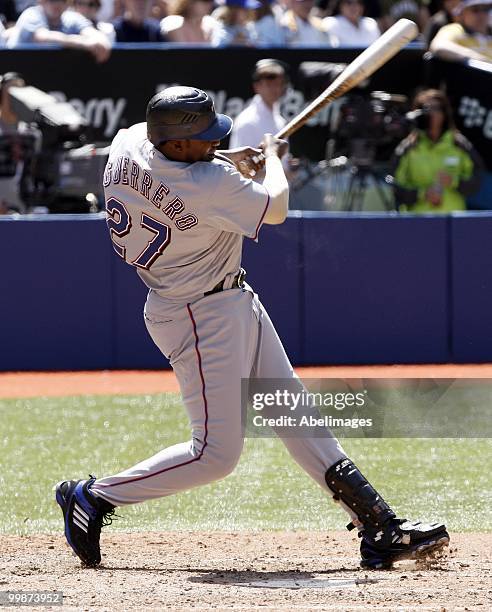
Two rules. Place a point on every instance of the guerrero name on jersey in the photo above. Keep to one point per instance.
(179, 224)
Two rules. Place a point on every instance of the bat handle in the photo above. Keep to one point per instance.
(284, 133)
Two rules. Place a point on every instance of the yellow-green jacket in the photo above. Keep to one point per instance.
(416, 165)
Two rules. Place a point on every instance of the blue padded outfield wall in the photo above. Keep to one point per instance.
(340, 288)
(471, 298)
(376, 290)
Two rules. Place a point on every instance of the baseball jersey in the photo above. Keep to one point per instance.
(181, 225)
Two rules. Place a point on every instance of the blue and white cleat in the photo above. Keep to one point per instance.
(84, 515)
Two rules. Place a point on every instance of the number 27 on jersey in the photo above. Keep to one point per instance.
(120, 224)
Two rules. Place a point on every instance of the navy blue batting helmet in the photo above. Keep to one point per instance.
(184, 113)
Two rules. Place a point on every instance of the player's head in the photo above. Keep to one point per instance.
(270, 80)
(183, 124)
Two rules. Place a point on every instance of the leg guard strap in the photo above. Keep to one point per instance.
(350, 486)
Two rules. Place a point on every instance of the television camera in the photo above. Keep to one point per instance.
(365, 128)
(64, 170)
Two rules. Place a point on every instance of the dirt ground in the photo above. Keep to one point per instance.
(246, 571)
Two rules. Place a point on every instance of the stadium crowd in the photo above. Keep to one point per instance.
(452, 27)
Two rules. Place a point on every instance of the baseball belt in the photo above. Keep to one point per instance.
(238, 282)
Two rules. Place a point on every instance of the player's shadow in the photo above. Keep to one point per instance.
(228, 576)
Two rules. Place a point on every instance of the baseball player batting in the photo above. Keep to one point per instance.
(178, 213)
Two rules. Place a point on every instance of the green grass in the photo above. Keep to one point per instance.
(43, 440)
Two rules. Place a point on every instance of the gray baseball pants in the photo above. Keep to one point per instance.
(212, 343)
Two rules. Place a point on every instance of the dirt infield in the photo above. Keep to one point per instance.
(34, 384)
(247, 571)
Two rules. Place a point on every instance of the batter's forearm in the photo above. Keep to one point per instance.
(277, 186)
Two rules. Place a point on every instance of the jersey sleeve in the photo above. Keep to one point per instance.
(238, 204)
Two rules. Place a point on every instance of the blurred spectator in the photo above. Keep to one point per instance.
(159, 9)
(136, 25)
(262, 115)
(17, 145)
(106, 13)
(266, 27)
(440, 19)
(323, 8)
(348, 27)
(302, 27)
(51, 22)
(22, 5)
(8, 12)
(233, 23)
(90, 9)
(189, 21)
(470, 37)
(416, 10)
(435, 168)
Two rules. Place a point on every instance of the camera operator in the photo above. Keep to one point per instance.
(262, 115)
(18, 142)
(435, 168)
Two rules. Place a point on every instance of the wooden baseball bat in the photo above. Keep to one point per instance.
(365, 64)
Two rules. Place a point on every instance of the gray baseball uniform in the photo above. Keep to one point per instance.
(182, 225)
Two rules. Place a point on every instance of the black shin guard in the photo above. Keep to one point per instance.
(350, 487)
(384, 538)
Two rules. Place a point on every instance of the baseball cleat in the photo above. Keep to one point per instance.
(84, 515)
(385, 538)
(401, 539)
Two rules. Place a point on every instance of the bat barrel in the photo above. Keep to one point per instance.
(365, 64)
